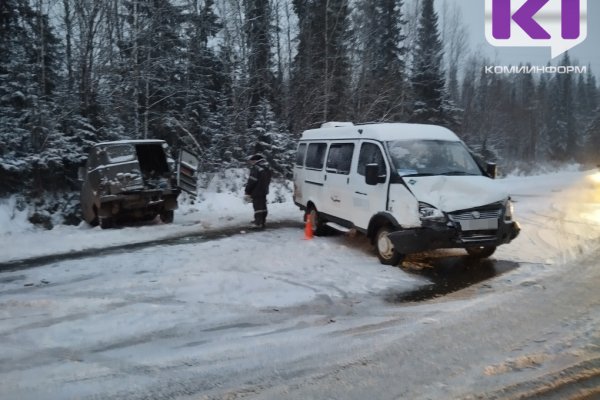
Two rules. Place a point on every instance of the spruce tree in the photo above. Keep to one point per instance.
(208, 92)
(428, 81)
(29, 67)
(556, 137)
(581, 97)
(593, 140)
(468, 128)
(321, 69)
(564, 107)
(155, 84)
(266, 138)
(337, 63)
(258, 36)
(526, 134)
(542, 114)
(381, 91)
(591, 90)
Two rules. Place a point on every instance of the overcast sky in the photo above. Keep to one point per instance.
(585, 53)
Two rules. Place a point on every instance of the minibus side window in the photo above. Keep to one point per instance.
(300, 155)
(315, 155)
(340, 158)
(370, 153)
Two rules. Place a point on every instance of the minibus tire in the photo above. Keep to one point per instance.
(481, 251)
(317, 221)
(385, 249)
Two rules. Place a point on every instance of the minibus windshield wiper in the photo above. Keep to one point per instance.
(418, 175)
(457, 173)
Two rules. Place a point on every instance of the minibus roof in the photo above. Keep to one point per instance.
(382, 132)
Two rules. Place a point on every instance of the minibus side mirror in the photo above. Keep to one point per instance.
(491, 170)
(372, 175)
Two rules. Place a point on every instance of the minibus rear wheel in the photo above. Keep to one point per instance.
(317, 221)
(386, 252)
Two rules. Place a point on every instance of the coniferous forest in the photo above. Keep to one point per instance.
(226, 78)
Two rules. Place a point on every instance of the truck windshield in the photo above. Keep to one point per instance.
(121, 153)
(431, 157)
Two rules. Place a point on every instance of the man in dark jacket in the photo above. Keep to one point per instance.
(258, 187)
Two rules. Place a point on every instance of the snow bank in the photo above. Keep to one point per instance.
(12, 218)
(220, 205)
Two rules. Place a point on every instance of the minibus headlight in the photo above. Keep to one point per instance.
(427, 212)
(510, 209)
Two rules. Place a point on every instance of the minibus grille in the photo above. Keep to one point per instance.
(476, 214)
(476, 218)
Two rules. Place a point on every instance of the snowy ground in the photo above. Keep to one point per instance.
(219, 206)
(183, 320)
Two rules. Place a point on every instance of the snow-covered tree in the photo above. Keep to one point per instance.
(258, 36)
(593, 140)
(265, 137)
(564, 139)
(206, 87)
(431, 102)
(29, 55)
(455, 38)
(321, 70)
(382, 91)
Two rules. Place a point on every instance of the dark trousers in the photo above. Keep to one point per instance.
(260, 209)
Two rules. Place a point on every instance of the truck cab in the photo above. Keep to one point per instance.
(133, 179)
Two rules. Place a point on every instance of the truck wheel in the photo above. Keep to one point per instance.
(317, 221)
(481, 251)
(106, 222)
(167, 216)
(385, 248)
(94, 220)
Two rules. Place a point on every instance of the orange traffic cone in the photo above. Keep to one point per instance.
(308, 229)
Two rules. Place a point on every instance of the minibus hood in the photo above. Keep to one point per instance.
(453, 193)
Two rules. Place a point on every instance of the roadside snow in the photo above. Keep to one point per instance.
(12, 220)
(219, 206)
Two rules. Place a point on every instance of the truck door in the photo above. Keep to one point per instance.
(187, 172)
(369, 200)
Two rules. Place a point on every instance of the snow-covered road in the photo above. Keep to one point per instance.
(270, 315)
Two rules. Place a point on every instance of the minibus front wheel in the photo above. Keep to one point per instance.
(481, 251)
(386, 252)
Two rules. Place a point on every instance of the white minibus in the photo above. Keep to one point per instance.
(408, 187)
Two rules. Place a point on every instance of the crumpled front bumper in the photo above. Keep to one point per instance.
(430, 238)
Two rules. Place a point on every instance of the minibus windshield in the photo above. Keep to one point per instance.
(431, 157)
